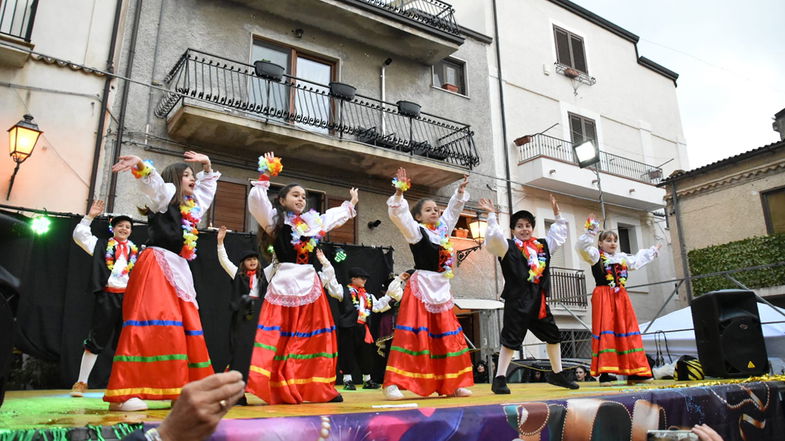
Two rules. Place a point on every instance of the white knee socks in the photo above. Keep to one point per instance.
(554, 354)
(88, 361)
(505, 357)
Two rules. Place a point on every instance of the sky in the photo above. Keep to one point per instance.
(730, 57)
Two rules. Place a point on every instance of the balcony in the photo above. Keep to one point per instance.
(424, 30)
(16, 27)
(221, 103)
(549, 163)
(568, 288)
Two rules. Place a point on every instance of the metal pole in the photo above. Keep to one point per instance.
(384, 97)
(599, 187)
(11, 185)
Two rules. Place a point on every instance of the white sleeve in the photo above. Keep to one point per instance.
(495, 242)
(260, 206)
(586, 248)
(382, 304)
(641, 258)
(84, 237)
(557, 234)
(158, 192)
(337, 216)
(395, 289)
(226, 264)
(204, 190)
(454, 208)
(330, 282)
(398, 210)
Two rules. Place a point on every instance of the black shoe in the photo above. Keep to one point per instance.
(337, 399)
(348, 385)
(242, 401)
(562, 381)
(370, 384)
(499, 385)
(637, 379)
(607, 378)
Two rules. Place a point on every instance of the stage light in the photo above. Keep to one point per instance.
(40, 224)
(340, 255)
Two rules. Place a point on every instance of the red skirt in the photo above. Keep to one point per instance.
(617, 347)
(295, 354)
(428, 352)
(161, 345)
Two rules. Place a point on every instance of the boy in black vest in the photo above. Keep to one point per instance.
(355, 344)
(113, 260)
(525, 262)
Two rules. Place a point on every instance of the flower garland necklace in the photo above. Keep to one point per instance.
(609, 271)
(446, 251)
(362, 316)
(536, 267)
(191, 215)
(302, 224)
(110, 259)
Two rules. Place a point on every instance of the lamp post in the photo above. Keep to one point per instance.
(588, 153)
(477, 227)
(22, 138)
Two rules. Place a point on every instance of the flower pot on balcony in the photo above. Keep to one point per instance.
(571, 73)
(523, 140)
(268, 70)
(408, 108)
(451, 87)
(342, 90)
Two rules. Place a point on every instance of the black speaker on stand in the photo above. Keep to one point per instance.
(728, 334)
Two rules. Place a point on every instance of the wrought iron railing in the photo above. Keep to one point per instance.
(568, 287)
(548, 146)
(17, 17)
(433, 13)
(308, 105)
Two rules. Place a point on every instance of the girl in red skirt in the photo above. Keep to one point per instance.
(428, 352)
(617, 347)
(295, 352)
(161, 346)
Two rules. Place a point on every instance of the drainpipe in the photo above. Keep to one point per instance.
(384, 90)
(123, 106)
(501, 103)
(685, 263)
(99, 137)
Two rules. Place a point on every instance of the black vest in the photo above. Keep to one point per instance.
(515, 269)
(241, 286)
(165, 230)
(100, 273)
(426, 253)
(284, 250)
(346, 314)
(598, 271)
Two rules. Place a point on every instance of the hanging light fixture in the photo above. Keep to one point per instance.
(22, 138)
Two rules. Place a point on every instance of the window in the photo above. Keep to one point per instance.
(627, 243)
(559, 258)
(569, 50)
(310, 101)
(774, 210)
(347, 233)
(228, 206)
(449, 74)
(582, 129)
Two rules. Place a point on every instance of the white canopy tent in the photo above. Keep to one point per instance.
(683, 342)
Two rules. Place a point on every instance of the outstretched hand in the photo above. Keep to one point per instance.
(191, 156)
(487, 205)
(127, 163)
(221, 234)
(400, 175)
(463, 184)
(96, 209)
(355, 194)
(554, 205)
(322, 258)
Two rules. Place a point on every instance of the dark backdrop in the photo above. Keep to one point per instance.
(55, 309)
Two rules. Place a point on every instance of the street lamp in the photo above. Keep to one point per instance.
(477, 227)
(588, 153)
(22, 138)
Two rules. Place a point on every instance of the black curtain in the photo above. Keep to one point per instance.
(55, 307)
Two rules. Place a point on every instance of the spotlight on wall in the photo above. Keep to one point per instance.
(387, 61)
(374, 224)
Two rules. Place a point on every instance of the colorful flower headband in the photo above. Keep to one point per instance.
(592, 225)
(402, 185)
(273, 166)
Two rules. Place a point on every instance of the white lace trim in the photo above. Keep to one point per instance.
(177, 273)
(294, 285)
(433, 289)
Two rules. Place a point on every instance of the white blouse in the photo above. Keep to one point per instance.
(398, 210)
(588, 251)
(496, 242)
(83, 237)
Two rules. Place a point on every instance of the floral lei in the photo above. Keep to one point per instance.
(446, 251)
(537, 268)
(110, 259)
(361, 315)
(191, 214)
(609, 273)
(301, 224)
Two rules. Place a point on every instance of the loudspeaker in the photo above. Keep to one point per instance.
(728, 334)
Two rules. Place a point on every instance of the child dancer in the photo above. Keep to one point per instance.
(248, 288)
(161, 346)
(113, 261)
(525, 262)
(616, 339)
(294, 356)
(429, 352)
(355, 343)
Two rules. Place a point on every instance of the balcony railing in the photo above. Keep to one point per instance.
(568, 287)
(17, 17)
(212, 79)
(548, 146)
(432, 13)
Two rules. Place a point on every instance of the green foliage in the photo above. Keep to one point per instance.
(761, 250)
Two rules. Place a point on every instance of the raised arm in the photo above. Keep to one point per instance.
(206, 179)
(82, 234)
(495, 241)
(337, 216)
(455, 206)
(586, 242)
(557, 234)
(398, 210)
(642, 257)
(223, 257)
(158, 192)
(258, 203)
(327, 276)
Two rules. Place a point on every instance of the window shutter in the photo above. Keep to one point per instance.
(229, 206)
(578, 55)
(347, 232)
(562, 47)
(576, 131)
(589, 130)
